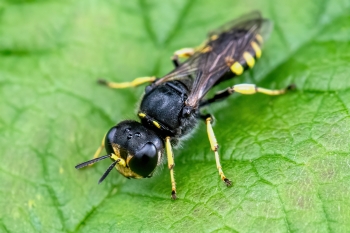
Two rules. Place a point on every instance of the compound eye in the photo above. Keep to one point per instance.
(145, 160)
(109, 139)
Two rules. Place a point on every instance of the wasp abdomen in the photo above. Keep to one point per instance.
(248, 57)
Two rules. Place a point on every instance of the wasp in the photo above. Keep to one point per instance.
(171, 106)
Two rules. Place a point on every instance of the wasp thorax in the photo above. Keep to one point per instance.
(138, 146)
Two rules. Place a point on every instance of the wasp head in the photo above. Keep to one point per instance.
(135, 150)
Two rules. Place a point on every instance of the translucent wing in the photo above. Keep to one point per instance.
(210, 63)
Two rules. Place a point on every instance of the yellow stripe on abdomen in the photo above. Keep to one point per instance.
(237, 68)
(249, 59)
(259, 38)
(256, 49)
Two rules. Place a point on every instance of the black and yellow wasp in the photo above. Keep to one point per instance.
(171, 106)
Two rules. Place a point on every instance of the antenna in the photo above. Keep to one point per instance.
(108, 170)
(92, 161)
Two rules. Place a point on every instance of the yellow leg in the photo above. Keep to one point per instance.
(249, 89)
(214, 147)
(171, 164)
(184, 53)
(100, 148)
(246, 89)
(136, 82)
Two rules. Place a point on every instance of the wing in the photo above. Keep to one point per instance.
(212, 61)
(227, 44)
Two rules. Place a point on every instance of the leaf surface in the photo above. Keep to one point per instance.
(288, 156)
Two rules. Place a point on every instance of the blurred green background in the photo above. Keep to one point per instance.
(288, 155)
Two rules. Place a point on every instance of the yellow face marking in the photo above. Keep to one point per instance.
(126, 171)
(128, 159)
(156, 124)
(122, 165)
(142, 115)
(259, 38)
(121, 161)
(237, 68)
(114, 157)
(257, 49)
(249, 59)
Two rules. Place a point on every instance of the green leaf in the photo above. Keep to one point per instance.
(288, 156)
